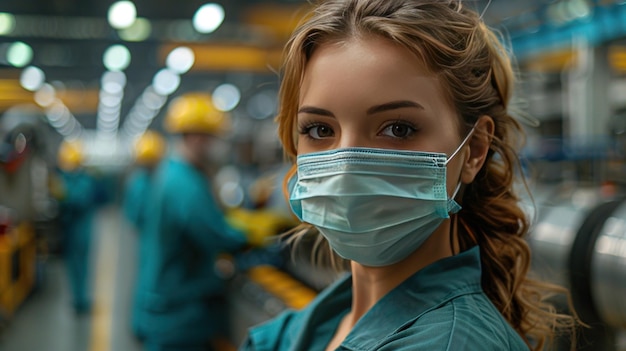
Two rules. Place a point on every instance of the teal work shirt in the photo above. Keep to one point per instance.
(184, 232)
(136, 195)
(441, 307)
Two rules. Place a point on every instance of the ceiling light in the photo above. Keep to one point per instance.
(122, 14)
(7, 23)
(116, 58)
(166, 82)
(208, 18)
(19, 54)
(226, 97)
(32, 78)
(139, 31)
(180, 60)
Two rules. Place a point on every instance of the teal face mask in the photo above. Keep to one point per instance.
(374, 206)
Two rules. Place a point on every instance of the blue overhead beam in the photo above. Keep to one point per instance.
(604, 24)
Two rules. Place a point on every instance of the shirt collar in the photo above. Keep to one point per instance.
(427, 289)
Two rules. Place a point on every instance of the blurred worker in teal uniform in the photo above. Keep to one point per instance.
(185, 231)
(77, 195)
(148, 152)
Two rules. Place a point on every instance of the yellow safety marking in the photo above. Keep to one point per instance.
(292, 292)
(108, 240)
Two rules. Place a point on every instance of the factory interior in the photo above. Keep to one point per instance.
(104, 72)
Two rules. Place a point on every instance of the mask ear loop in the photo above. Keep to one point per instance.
(454, 224)
(465, 140)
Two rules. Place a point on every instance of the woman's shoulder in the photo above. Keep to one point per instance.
(313, 324)
(468, 322)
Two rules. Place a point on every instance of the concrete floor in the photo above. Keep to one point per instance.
(46, 321)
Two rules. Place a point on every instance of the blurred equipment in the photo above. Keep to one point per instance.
(262, 293)
(579, 242)
(260, 226)
(25, 204)
(22, 162)
(608, 267)
(18, 252)
(21, 128)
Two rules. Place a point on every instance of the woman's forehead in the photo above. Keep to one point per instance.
(369, 67)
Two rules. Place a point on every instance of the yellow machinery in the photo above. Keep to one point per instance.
(24, 198)
(260, 226)
(17, 267)
(291, 291)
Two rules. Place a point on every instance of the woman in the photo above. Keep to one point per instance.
(406, 156)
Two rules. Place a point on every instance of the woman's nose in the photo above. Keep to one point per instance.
(352, 139)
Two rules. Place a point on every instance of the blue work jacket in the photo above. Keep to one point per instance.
(136, 196)
(184, 232)
(441, 307)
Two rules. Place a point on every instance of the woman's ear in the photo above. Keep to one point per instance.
(478, 148)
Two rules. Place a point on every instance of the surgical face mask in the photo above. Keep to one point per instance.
(374, 206)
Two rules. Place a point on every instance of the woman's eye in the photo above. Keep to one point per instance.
(319, 131)
(398, 130)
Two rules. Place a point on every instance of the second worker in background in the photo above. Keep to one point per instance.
(149, 150)
(185, 230)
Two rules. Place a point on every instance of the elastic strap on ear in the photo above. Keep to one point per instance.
(467, 137)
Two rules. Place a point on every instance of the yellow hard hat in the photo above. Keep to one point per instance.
(195, 113)
(149, 148)
(70, 155)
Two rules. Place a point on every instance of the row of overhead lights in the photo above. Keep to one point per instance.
(122, 15)
(116, 58)
(164, 83)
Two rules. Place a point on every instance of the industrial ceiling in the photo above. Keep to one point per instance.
(68, 39)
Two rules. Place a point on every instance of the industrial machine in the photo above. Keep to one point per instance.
(23, 204)
(579, 242)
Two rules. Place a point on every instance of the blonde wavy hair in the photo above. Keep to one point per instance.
(469, 59)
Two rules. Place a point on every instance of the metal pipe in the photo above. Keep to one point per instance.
(608, 269)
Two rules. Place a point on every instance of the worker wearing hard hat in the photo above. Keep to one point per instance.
(185, 232)
(77, 195)
(149, 149)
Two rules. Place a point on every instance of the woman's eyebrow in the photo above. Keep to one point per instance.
(393, 105)
(374, 109)
(315, 111)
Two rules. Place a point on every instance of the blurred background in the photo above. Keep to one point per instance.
(101, 73)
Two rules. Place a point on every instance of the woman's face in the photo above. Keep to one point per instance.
(371, 92)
